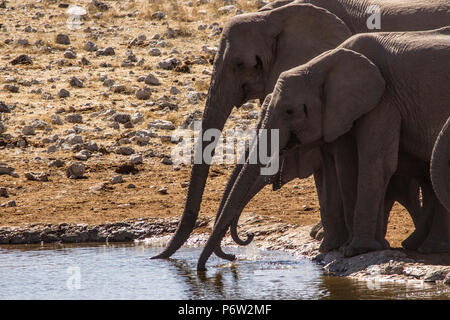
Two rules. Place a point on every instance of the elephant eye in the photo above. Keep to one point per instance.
(289, 112)
(259, 63)
(305, 110)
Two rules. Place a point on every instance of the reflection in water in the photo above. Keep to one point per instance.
(123, 271)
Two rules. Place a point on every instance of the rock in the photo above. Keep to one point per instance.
(2, 127)
(4, 108)
(11, 88)
(161, 124)
(143, 94)
(158, 15)
(28, 130)
(74, 118)
(116, 179)
(22, 59)
(109, 51)
(435, 275)
(11, 203)
(41, 177)
(193, 96)
(56, 163)
(447, 279)
(101, 6)
(83, 155)
(166, 160)
(162, 190)
(120, 117)
(63, 93)
(90, 46)
(154, 52)
(118, 88)
(137, 117)
(62, 39)
(3, 192)
(124, 150)
(152, 80)
(4, 169)
(75, 82)
(131, 186)
(75, 171)
(174, 90)
(56, 119)
(70, 54)
(74, 139)
(169, 64)
(136, 159)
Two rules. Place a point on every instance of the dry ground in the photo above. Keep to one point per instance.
(66, 200)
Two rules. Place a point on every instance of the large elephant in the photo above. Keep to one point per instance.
(367, 100)
(440, 166)
(255, 48)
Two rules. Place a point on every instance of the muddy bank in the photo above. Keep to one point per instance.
(272, 234)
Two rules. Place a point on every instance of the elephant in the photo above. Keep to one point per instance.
(254, 49)
(375, 96)
(440, 166)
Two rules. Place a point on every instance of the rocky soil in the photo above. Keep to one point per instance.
(88, 108)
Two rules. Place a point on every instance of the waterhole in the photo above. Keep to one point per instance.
(124, 271)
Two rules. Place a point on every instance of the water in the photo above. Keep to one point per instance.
(123, 271)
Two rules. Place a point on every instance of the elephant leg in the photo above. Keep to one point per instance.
(332, 212)
(317, 230)
(438, 238)
(378, 147)
(423, 220)
(346, 158)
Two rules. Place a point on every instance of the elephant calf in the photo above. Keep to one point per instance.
(372, 97)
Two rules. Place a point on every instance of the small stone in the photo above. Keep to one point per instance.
(158, 15)
(56, 163)
(124, 150)
(56, 119)
(2, 127)
(63, 93)
(74, 118)
(41, 177)
(143, 94)
(75, 171)
(109, 51)
(11, 203)
(131, 186)
(136, 159)
(75, 82)
(161, 124)
(22, 59)
(166, 161)
(116, 179)
(11, 88)
(90, 46)
(162, 190)
(62, 39)
(28, 130)
(435, 275)
(70, 54)
(152, 80)
(120, 117)
(154, 52)
(3, 192)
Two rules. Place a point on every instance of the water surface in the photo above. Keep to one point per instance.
(124, 271)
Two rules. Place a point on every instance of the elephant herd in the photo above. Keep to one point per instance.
(367, 112)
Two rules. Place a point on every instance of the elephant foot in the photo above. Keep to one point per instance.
(360, 246)
(329, 244)
(317, 231)
(414, 241)
(433, 246)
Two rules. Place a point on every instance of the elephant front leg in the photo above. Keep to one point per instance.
(377, 145)
(331, 210)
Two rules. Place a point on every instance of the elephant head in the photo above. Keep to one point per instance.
(311, 104)
(440, 166)
(254, 49)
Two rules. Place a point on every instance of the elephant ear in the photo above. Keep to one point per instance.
(300, 32)
(352, 86)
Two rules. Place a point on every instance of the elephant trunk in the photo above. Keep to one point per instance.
(246, 186)
(440, 166)
(217, 110)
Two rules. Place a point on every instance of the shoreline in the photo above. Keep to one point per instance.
(270, 234)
